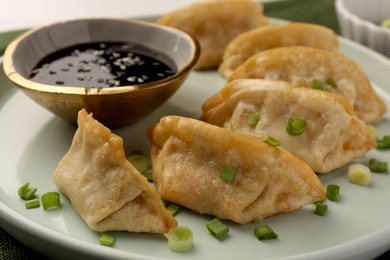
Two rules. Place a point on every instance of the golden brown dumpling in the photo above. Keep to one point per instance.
(188, 155)
(301, 65)
(333, 135)
(106, 190)
(214, 24)
(254, 41)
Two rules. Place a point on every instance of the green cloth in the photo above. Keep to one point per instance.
(313, 11)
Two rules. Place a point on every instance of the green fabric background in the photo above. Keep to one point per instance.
(313, 11)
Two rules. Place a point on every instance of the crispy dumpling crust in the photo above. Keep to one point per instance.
(333, 137)
(300, 65)
(188, 155)
(103, 186)
(254, 41)
(214, 24)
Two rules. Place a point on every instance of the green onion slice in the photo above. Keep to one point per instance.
(180, 239)
(148, 175)
(140, 162)
(272, 141)
(51, 200)
(107, 240)
(317, 84)
(217, 229)
(264, 232)
(321, 209)
(386, 23)
(253, 119)
(33, 203)
(295, 127)
(174, 209)
(331, 83)
(27, 193)
(333, 192)
(377, 166)
(227, 174)
(359, 174)
(383, 143)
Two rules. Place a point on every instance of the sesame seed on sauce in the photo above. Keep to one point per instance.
(104, 64)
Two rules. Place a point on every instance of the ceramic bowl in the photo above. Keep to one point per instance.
(114, 106)
(360, 21)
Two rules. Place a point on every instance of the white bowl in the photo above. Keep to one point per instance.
(360, 21)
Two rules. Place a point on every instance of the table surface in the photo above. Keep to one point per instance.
(21, 14)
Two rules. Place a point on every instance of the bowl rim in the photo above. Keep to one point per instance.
(343, 10)
(23, 82)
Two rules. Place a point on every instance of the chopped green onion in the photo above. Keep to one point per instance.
(227, 174)
(180, 239)
(333, 192)
(164, 203)
(51, 200)
(386, 23)
(372, 131)
(272, 141)
(33, 203)
(264, 232)
(359, 174)
(295, 127)
(317, 84)
(321, 209)
(377, 166)
(27, 193)
(107, 240)
(253, 119)
(148, 175)
(331, 82)
(174, 209)
(140, 162)
(217, 229)
(383, 143)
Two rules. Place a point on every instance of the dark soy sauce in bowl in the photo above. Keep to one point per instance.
(102, 65)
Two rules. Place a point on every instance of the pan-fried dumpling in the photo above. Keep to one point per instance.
(301, 65)
(214, 24)
(254, 41)
(325, 134)
(106, 190)
(188, 156)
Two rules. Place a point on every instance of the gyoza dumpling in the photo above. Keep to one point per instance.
(214, 24)
(332, 137)
(106, 190)
(301, 65)
(254, 41)
(188, 156)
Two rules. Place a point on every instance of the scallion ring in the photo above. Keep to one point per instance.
(321, 209)
(264, 232)
(331, 82)
(33, 203)
(295, 127)
(140, 162)
(377, 166)
(317, 84)
(107, 240)
(333, 192)
(26, 192)
(359, 174)
(180, 239)
(51, 200)
(253, 119)
(272, 141)
(217, 229)
(227, 174)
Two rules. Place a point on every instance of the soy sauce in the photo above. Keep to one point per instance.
(104, 64)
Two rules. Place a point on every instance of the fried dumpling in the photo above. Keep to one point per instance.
(188, 156)
(102, 185)
(214, 23)
(254, 41)
(330, 135)
(302, 65)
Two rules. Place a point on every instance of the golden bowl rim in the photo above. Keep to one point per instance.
(23, 82)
